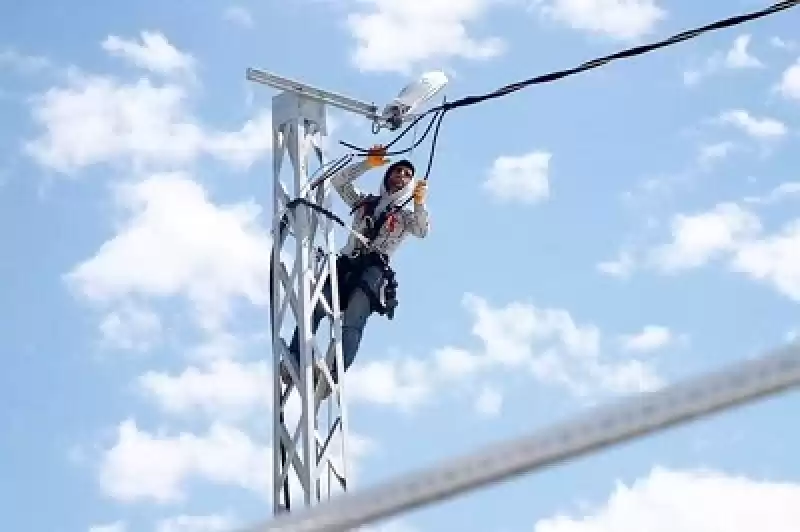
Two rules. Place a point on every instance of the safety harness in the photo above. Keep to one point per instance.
(353, 266)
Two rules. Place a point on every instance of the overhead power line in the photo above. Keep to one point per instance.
(624, 54)
(588, 65)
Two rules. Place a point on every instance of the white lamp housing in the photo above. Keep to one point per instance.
(412, 97)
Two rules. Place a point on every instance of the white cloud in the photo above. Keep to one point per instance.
(739, 56)
(549, 345)
(174, 242)
(397, 35)
(239, 15)
(155, 53)
(790, 189)
(546, 344)
(710, 153)
(522, 178)
(242, 148)
(456, 363)
(783, 44)
(161, 467)
(402, 383)
(625, 20)
(131, 328)
(143, 466)
(489, 401)
(651, 337)
(699, 238)
(97, 119)
(736, 235)
(689, 501)
(509, 332)
(196, 523)
(789, 85)
(773, 259)
(620, 267)
(760, 128)
(224, 388)
(220, 344)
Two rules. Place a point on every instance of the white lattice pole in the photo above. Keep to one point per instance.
(305, 450)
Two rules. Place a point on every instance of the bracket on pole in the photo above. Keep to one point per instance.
(401, 109)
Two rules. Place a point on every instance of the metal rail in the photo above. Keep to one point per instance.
(595, 430)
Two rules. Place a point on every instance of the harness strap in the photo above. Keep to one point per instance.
(363, 259)
(368, 204)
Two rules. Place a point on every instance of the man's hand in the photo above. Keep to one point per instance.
(377, 156)
(420, 192)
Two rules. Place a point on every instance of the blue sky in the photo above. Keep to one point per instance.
(591, 238)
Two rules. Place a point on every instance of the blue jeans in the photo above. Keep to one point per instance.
(356, 309)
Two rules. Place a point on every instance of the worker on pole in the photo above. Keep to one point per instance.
(366, 280)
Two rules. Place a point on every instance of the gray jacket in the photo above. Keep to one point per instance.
(397, 228)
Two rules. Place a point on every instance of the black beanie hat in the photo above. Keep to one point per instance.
(403, 162)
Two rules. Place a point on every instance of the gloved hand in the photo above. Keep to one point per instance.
(420, 192)
(377, 156)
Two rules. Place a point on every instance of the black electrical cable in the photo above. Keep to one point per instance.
(432, 153)
(407, 129)
(433, 144)
(365, 151)
(311, 205)
(337, 167)
(637, 50)
(601, 61)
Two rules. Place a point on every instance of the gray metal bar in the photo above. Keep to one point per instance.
(301, 89)
(593, 431)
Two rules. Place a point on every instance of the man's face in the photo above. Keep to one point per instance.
(399, 178)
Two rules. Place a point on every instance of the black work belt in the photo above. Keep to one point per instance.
(350, 269)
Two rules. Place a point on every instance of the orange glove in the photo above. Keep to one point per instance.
(377, 156)
(420, 192)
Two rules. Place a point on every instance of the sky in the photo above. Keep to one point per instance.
(594, 238)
